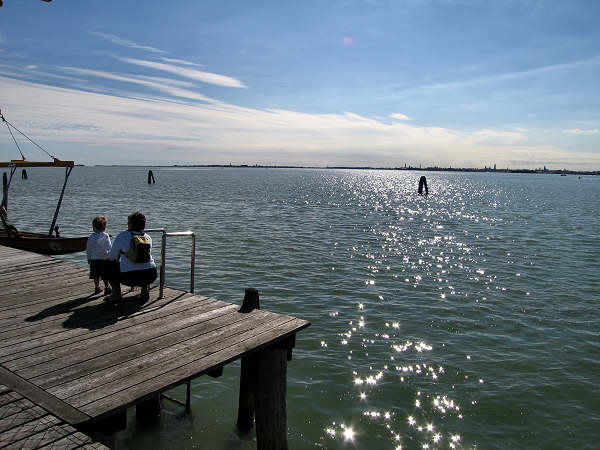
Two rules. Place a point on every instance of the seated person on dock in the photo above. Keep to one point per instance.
(136, 266)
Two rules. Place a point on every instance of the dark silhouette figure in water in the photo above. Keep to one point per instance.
(24, 174)
(151, 177)
(423, 184)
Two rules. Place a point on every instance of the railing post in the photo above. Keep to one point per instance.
(163, 251)
(193, 263)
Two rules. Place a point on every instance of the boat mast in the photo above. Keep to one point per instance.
(62, 193)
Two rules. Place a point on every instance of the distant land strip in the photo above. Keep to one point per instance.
(423, 169)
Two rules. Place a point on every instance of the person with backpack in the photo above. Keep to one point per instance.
(130, 259)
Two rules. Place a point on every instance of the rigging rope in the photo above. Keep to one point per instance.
(9, 125)
(13, 136)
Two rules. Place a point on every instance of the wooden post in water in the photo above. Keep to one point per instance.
(270, 399)
(245, 418)
(263, 388)
(149, 410)
(151, 177)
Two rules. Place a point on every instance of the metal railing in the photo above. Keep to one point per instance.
(163, 256)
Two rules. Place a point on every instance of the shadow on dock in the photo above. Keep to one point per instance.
(95, 316)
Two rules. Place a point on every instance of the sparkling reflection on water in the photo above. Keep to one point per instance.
(465, 318)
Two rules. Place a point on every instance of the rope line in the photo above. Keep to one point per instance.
(9, 125)
(13, 136)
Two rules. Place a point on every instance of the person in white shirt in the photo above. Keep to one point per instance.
(130, 259)
(97, 249)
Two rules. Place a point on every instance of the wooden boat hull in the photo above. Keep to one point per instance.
(41, 243)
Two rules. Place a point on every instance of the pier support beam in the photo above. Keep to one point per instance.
(270, 399)
(149, 410)
(245, 420)
(263, 388)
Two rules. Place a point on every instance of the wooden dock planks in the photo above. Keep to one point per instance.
(71, 349)
(23, 424)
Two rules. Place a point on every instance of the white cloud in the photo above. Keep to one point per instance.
(94, 128)
(400, 116)
(125, 42)
(579, 131)
(160, 84)
(181, 62)
(490, 79)
(205, 77)
(498, 137)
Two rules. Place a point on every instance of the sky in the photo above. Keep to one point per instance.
(455, 83)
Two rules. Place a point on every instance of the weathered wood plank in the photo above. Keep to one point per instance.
(48, 336)
(90, 367)
(28, 312)
(17, 270)
(45, 284)
(173, 377)
(43, 340)
(35, 434)
(26, 425)
(27, 430)
(152, 353)
(29, 274)
(96, 315)
(9, 397)
(21, 417)
(90, 345)
(16, 301)
(42, 398)
(75, 440)
(15, 407)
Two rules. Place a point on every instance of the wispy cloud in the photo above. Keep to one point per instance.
(181, 62)
(579, 131)
(170, 87)
(125, 42)
(400, 116)
(538, 71)
(498, 137)
(205, 77)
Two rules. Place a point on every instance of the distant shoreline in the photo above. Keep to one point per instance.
(423, 169)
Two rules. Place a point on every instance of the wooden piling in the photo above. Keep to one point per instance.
(270, 399)
(148, 411)
(251, 300)
(245, 419)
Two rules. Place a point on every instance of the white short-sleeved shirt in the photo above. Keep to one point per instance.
(121, 245)
(98, 246)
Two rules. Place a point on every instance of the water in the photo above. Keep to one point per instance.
(465, 319)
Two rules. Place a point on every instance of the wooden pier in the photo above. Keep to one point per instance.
(85, 361)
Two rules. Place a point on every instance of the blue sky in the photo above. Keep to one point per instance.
(381, 83)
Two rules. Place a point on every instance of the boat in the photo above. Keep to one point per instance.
(41, 243)
(51, 243)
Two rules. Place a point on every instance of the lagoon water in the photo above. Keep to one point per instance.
(468, 318)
